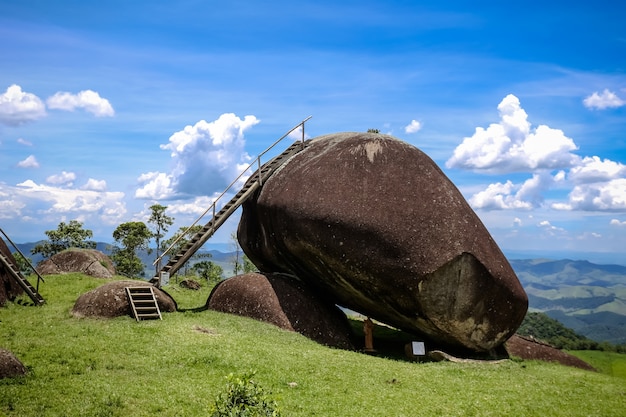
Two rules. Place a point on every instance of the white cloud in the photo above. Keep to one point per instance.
(517, 222)
(24, 142)
(510, 196)
(206, 157)
(413, 127)
(499, 196)
(155, 186)
(64, 178)
(615, 222)
(592, 169)
(94, 185)
(78, 203)
(29, 162)
(512, 145)
(86, 99)
(606, 99)
(600, 196)
(18, 107)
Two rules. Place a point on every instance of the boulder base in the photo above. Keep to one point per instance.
(372, 224)
(10, 366)
(285, 302)
(110, 300)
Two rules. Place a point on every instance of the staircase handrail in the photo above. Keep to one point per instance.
(257, 160)
(39, 277)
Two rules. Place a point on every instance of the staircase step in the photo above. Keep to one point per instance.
(143, 303)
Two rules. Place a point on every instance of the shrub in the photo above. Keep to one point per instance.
(243, 397)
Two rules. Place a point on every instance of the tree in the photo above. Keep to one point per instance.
(71, 235)
(209, 271)
(132, 236)
(23, 263)
(161, 223)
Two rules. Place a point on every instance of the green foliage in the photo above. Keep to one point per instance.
(542, 327)
(209, 271)
(373, 131)
(23, 264)
(161, 223)
(243, 397)
(132, 236)
(70, 235)
(248, 266)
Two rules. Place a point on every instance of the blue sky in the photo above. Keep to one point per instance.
(108, 107)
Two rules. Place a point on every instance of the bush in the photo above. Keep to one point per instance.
(244, 398)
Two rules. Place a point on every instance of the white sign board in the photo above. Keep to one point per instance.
(165, 278)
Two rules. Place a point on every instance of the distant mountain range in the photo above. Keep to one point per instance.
(586, 297)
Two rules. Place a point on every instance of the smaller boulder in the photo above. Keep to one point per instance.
(286, 302)
(190, 284)
(86, 261)
(110, 300)
(10, 366)
(531, 349)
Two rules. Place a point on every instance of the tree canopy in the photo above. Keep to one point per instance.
(67, 235)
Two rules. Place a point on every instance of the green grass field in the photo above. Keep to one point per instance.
(178, 366)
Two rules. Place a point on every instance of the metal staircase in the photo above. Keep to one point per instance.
(28, 288)
(219, 217)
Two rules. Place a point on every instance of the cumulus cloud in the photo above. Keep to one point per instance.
(86, 99)
(94, 185)
(64, 178)
(593, 169)
(598, 196)
(605, 100)
(413, 127)
(44, 200)
(510, 196)
(512, 145)
(615, 222)
(205, 157)
(29, 162)
(24, 142)
(18, 107)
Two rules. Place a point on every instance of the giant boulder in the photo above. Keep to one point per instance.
(374, 225)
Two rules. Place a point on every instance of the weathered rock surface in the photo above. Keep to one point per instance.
(285, 302)
(10, 366)
(110, 300)
(9, 289)
(86, 261)
(530, 349)
(374, 225)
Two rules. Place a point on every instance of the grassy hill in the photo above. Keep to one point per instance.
(177, 367)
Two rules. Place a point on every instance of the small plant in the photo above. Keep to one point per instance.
(244, 398)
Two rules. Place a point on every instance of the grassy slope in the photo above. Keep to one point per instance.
(120, 367)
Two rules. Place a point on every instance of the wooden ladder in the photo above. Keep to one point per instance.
(22, 281)
(143, 303)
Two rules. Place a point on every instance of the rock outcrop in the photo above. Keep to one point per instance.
(285, 302)
(10, 366)
(9, 288)
(371, 223)
(110, 300)
(86, 261)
